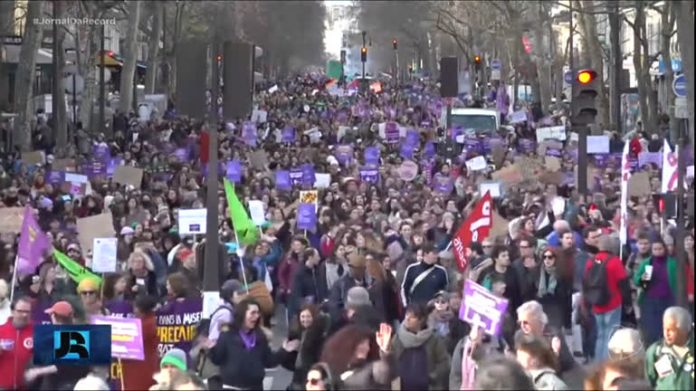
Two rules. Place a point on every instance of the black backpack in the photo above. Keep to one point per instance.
(595, 284)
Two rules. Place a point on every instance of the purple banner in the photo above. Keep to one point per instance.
(101, 152)
(650, 158)
(120, 309)
(526, 146)
(429, 150)
(296, 176)
(482, 308)
(176, 324)
(443, 184)
(371, 155)
(249, 133)
(306, 217)
(391, 132)
(308, 175)
(288, 134)
(412, 138)
(283, 181)
(234, 171)
(406, 151)
(369, 174)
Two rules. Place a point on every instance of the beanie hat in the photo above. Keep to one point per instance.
(357, 296)
(88, 284)
(176, 358)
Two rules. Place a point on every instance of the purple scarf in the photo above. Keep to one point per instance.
(249, 339)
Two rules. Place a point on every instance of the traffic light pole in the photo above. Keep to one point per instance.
(582, 159)
(681, 215)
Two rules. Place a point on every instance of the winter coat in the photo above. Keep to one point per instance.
(307, 285)
(545, 379)
(407, 347)
(680, 378)
(311, 343)
(375, 375)
(465, 361)
(137, 375)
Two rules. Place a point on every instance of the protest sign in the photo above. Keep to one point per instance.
(553, 164)
(259, 159)
(518, 117)
(369, 174)
(499, 227)
(490, 187)
(92, 227)
(476, 164)
(639, 185)
(322, 181)
(408, 171)
(257, 213)
(193, 221)
(126, 336)
(104, 255)
(127, 175)
(310, 197)
(482, 308)
(33, 157)
(510, 175)
(64, 165)
(551, 133)
(597, 144)
(645, 158)
(176, 324)
(306, 216)
(11, 220)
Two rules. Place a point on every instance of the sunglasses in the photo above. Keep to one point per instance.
(314, 381)
(548, 256)
(88, 293)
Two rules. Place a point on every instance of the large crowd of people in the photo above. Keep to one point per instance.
(371, 287)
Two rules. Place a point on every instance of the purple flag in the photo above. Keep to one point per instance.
(249, 134)
(288, 134)
(234, 171)
(283, 181)
(429, 150)
(406, 151)
(443, 184)
(371, 155)
(33, 243)
(308, 175)
(182, 154)
(306, 216)
(650, 157)
(369, 174)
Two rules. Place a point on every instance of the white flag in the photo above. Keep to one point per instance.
(669, 168)
(625, 177)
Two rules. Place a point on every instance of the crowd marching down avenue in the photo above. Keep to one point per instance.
(372, 233)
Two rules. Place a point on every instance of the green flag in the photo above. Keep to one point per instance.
(243, 226)
(76, 271)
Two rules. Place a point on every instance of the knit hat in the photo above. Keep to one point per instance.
(357, 296)
(88, 285)
(176, 358)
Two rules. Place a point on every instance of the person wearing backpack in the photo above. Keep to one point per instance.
(606, 288)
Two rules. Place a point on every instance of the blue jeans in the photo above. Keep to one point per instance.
(606, 324)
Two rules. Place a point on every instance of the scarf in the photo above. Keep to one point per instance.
(547, 287)
(249, 339)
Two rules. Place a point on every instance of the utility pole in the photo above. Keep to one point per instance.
(617, 65)
(211, 278)
(102, 87)
(681, 212)
(364, 46)
(56, 77)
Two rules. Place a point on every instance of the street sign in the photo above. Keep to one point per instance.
(680, 109)
(495, 64)
(568, 77)
(679, 86)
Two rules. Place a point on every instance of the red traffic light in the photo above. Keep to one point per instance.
(394, 43)
(219, 58)
(586, 76)
(477, 59)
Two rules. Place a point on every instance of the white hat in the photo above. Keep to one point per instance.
(127, 231)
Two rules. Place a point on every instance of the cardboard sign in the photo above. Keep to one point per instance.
(92, 227)
(33, 157)
(11, 220)
(551, 178)
(510, 175)
(127, 175)
(553, 163)
(499, 226)
(476, 164)
(639, 185)
(64, 165)
(482, 308)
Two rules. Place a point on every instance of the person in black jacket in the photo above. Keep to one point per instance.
(311, 328)
(307, 285)
(243, 353)
(424, 279)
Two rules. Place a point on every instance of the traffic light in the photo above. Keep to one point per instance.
(585, 90)
(666, 205)
(343, 56)
(363, 54)
(477, 62)
(219, 58)
(395, 43)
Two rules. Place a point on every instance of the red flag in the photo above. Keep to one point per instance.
(475, 228)
(205, 140)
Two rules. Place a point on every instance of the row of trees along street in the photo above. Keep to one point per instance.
(290, 33)
(524, 36)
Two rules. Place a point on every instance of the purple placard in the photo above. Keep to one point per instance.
(283, 181)
(182, 154)
(344, 154)
(55, 177)
(371, 155)
(443, 184)
(554, 152)
(308, 175)
(94, 168)
(391, 132)
(406, 151)
(101, 152)
(526, 146)
(234, 171)
(369, 174)
(412, 138)
(429, 150)
(288, 134)
(306, 216)
(178, 320)
(112, 164)
(120, 309)
(126, 336)
(481, 307)
(296, 176)
(249, 133)
(650, 158)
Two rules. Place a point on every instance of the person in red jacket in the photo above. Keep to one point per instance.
(16, 345)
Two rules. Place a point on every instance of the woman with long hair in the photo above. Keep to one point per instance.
(142, 272)
(555, 289)
(243, 352)
(359, 358)
(383, 290)
(310, 327)
(178, 287)
(319, 378)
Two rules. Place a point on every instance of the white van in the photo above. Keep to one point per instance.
(476, 120)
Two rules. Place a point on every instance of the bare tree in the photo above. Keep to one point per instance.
(26, 69)
(131, 57)
(6, 18)
(641, 63)
(60, 123)
(155, 35)
(685, 35)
